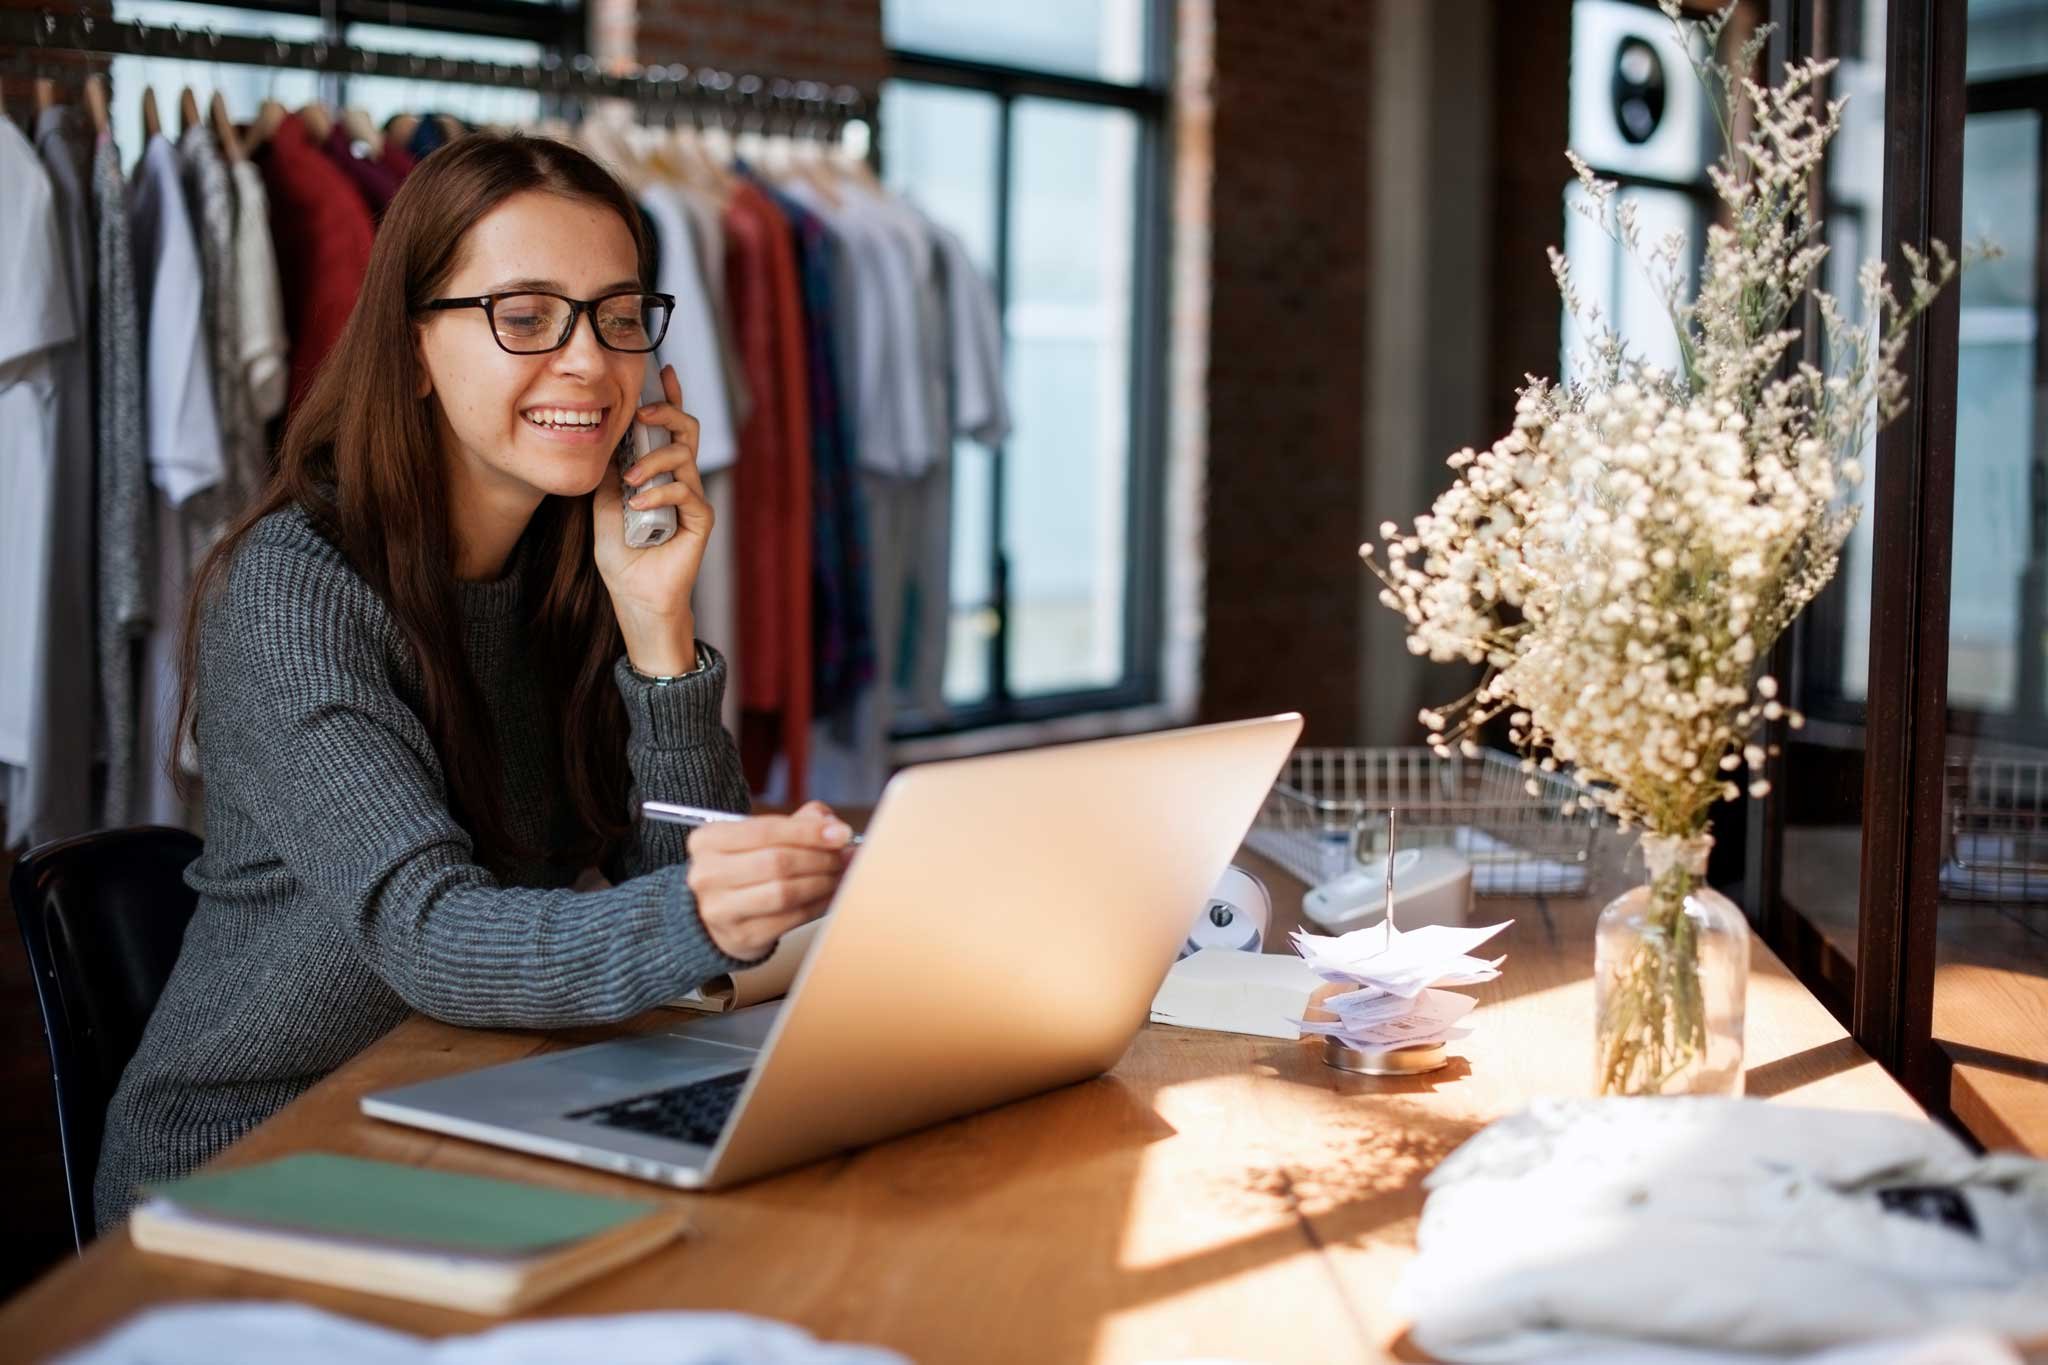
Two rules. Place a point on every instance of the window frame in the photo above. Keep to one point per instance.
(1144, 595)
(1885, 996)
(556, 24)
(1904, 721)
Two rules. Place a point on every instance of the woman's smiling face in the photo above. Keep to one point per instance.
(533, 425)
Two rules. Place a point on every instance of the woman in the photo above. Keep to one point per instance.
(430, 683)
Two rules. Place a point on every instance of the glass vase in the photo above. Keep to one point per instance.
(1671, 970)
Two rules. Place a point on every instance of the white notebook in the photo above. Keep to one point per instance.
(767, 980)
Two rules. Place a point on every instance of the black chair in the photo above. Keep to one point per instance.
(103, 916)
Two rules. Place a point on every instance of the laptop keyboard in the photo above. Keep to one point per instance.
(688, 1113)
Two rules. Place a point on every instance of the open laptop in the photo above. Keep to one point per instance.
(1001, 933)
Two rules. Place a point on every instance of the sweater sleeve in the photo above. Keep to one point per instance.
(678, 751)
(299, 721)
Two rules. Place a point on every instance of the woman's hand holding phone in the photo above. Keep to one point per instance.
(650, 588)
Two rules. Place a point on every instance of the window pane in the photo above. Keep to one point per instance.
(940, 148)
(1067, 470)
(1104, 39)
(242, 87)
(2007, 37)
(1995, 424)
(1820, 799)
(383, 96)
(1608, 279)
(1991, 973)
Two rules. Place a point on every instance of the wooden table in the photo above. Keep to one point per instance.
(1214, 1195)
(1990, 987)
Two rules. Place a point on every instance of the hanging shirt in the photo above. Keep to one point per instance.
(717, 596)
(707, 233)
(653, 235)
(692, 346)
(880, 338)
(52, 798)
(929, 607)
(843, 651)
(979, 407)
(210, 193)
(975, 409)
(321, 229)
(37, 320)
(892, 316)
(692, 342)
(185, 452)
(262, 349)
(773, 492)
(397, 159)
(928, 438)
(897, 340)
(184, 427)
(121, 471)
(715, 603)
(374, 180)
(428, 136)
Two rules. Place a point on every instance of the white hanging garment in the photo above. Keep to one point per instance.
(37, 321)
(185, 451)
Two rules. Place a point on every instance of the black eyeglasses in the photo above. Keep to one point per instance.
(532, 323)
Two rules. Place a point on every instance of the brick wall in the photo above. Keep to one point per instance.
(839, 41)
(1287, 359)
(1531, 128)
(17, 87)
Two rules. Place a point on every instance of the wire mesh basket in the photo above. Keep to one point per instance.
(1330, 807)
(1997, 830)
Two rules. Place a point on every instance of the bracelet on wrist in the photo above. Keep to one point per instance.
(667, 679)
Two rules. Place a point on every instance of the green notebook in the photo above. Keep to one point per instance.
(323, 1195)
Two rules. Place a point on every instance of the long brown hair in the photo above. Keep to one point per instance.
(362, 456)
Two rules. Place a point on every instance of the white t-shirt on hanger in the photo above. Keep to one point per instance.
(692, 344)
(37, 318)
(185, 450)
(259, 297)
(980, 408)
(924, 355)
(184, 430)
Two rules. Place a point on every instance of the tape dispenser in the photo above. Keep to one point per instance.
(1237, 914)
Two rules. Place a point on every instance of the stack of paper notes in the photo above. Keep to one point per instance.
(1231, 991)
(1398, 976)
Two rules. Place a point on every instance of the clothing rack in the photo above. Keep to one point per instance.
(776, 103)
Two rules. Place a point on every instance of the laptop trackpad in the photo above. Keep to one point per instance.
(659, 1059)
(746, 1028)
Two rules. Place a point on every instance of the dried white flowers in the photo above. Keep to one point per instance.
(1623, 558)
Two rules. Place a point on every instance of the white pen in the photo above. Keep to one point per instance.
(695, 816)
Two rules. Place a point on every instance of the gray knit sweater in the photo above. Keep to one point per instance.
(337, 894)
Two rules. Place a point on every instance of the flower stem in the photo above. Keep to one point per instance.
(1654, 1023)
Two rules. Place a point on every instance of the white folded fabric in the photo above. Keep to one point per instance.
(233, 1333)
(1734, 1224)
(1959, 1347)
